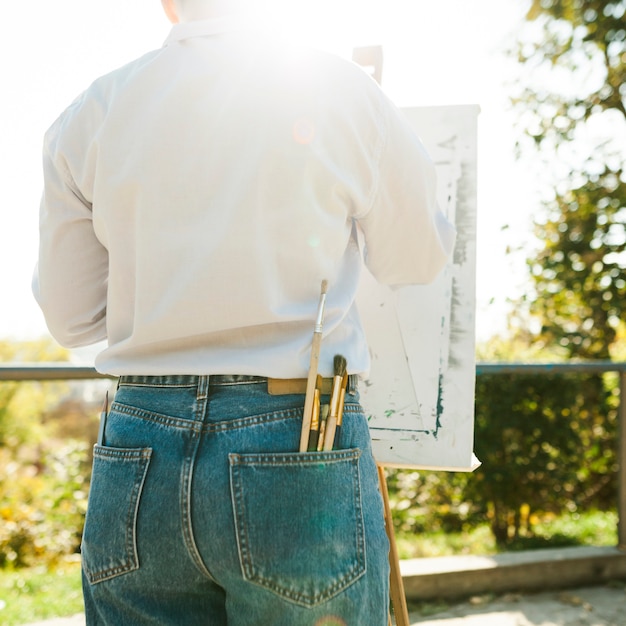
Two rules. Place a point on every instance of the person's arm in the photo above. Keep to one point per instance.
(408, 240)
(70, 280)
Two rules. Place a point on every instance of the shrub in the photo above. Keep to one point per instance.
(43, 498)
(548, 447)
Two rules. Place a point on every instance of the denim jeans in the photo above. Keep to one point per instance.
(202, 511)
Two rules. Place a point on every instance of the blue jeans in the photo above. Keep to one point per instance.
(202, 511)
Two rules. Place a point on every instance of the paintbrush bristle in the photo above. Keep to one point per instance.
(324, 286)
(340, 365)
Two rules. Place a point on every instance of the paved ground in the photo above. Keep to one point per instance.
(589, 606)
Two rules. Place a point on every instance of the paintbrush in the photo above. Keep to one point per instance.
(342, 397)
(311, 384)
(315, 417)
(323, 421)
(339, 368)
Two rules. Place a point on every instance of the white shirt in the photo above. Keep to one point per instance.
(196, 198)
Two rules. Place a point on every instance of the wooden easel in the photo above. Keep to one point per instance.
(371, 58)
(396, 586)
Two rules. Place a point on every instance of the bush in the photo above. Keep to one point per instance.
(548, 448)
(547, 443)
(43, 499)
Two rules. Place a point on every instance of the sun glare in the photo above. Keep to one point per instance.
(334, 26)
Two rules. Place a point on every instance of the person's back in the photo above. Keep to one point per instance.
(224, 172)
(195, 200)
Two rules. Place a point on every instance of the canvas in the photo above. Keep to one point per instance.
(419, 394)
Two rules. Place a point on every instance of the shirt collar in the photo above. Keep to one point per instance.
(215, 26)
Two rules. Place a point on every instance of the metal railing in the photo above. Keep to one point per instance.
(56, 371)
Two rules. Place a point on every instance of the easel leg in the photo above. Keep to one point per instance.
(398, 598)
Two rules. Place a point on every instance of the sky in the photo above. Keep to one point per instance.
(439, 52)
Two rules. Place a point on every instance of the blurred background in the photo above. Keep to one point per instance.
(548, 76)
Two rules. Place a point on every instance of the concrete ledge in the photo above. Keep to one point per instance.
(533, 570)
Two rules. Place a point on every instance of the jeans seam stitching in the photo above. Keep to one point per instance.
(355, 572)
(131, 557)
(243, 422)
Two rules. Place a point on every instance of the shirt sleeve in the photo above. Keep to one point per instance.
(408, 240)
(70, 279)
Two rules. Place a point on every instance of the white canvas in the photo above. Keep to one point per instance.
(419, 394)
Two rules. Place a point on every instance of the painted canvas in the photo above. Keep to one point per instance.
(419, 394)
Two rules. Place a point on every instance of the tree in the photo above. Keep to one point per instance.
(574, 114)
(555, 439)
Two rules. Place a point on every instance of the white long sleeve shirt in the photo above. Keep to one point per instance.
(195, 199)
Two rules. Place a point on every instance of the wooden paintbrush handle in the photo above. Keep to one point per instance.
(310, 392)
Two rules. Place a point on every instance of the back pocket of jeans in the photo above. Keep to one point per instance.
(109, 546)
(299, 522)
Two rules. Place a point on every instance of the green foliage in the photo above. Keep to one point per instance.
(574, 111)
(593, 528)
(22, 404)
(577, 35)
(33, 351)
(580, 276)
(43, 499)
(40, 593)
(429, 502)
(34, 594)
(589, 528)
(547, 443)
(519, 347)
(475, 539)
(618, 349)
(548, 447)
(42, 479)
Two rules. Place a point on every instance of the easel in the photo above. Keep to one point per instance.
(371, 58)
(396, 586)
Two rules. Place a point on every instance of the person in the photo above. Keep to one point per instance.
(194, 201)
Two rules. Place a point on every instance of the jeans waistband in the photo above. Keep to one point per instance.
(215, 380)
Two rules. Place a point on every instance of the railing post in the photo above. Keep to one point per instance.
(621, 482)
